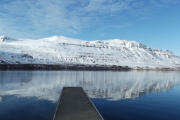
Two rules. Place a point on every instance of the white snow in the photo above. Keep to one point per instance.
(64, 50)
(2, 38)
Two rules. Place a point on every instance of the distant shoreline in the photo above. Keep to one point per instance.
(79, 67)
(62, 67)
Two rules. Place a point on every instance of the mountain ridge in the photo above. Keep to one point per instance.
(63, 50)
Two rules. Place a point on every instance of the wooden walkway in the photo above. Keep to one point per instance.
(74, 104)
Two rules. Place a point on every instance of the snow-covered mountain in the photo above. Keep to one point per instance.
(63, 50)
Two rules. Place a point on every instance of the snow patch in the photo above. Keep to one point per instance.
(2, 38)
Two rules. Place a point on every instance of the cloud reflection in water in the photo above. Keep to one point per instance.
(98, 84)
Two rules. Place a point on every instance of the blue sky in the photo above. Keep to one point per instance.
(155, 23)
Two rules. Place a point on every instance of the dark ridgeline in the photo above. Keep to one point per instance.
(61, 67)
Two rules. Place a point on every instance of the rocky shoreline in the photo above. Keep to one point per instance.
(62, 67)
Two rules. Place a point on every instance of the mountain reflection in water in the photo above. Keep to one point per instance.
(47, 85)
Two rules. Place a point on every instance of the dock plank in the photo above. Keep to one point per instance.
(74, 104)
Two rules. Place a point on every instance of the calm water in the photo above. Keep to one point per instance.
(134, 95)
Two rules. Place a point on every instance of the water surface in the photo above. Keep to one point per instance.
(137, 95)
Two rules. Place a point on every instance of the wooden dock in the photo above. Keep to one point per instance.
(74, 104)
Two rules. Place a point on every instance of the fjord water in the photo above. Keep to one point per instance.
(132, 95)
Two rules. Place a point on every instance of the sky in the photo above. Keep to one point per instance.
(155, 23)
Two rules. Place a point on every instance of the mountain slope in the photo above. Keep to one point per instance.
(63, 50)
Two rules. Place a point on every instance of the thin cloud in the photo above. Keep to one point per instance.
(37, 18)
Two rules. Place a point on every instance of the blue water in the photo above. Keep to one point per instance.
(133, 95)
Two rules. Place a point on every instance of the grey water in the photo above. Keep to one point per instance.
(132, 95)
